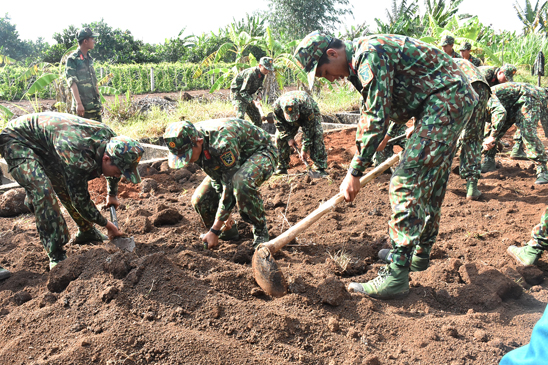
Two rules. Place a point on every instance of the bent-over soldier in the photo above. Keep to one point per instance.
(293, 110)
(238, 158)
(522, 103)
(401, 78)
(52, 154)
(471, 139)
(245, 85)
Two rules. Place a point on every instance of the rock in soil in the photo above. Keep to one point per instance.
(531, 274)
(166, 216)
(332, 291)
(148, 185)
(12, 203)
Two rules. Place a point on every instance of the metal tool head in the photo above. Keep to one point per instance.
(124, 243)
(267, 274)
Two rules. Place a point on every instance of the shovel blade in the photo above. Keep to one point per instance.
(267, 274)
(124, 243)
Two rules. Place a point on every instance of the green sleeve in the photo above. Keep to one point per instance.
(244, 90)
(498, 116)
(313, 124)
(395, 129)
(228, 200)
(112, 185)
(70, 71)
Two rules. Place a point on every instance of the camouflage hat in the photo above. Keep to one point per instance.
(447, 40)
(291, 111)
(125, 153)
(509, 71)
(309, 52)
(267, 63)
(466, 46)
(180, 137)
(85, 33)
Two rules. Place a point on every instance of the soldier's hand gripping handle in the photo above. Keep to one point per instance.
(113, 217)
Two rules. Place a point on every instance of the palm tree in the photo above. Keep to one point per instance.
(532, 18)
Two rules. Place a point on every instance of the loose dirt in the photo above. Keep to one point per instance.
(171, 302)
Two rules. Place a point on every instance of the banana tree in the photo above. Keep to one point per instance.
(237, 45)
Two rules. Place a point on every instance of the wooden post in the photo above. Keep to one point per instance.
(101, 72)
(151, 79)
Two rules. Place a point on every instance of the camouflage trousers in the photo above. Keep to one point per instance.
(539, 234)
(245, 182)
(313, 132)
(419, 182)
(526, 118)
(92, 111)
(43, 180)
(381, 156)
(470, 141)
(243, 107)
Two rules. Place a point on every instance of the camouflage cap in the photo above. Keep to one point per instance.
(180, 137)
(85, 33)
(447, 40)
(267, 63)
(309, 52)
(125, 153)
(466, 46)
(509, 71)
(291, 111)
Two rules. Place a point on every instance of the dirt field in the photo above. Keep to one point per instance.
(171, 302)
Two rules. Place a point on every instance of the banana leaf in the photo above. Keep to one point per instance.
(41, 83)
(6, 111)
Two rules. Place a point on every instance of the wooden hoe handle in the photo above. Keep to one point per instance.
(279, 242)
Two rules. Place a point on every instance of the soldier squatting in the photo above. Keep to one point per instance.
(453, 103)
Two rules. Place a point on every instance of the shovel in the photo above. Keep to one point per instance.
(123, 243)
(265, 270)
(313, 174)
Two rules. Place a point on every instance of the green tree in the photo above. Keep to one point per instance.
(403, 18)
(441, 11)
(533, 18)
(297, 18)
(10, 43)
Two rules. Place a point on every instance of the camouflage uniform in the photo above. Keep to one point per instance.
(238, 158)
(490, 73)
(394, 130)
(470, 142)
(543, 111)
(522, 103)
(404, 78)
(449, 40)
(293, 110)
(57, 153)
(80, 70)
(244, 85)
(466, 46)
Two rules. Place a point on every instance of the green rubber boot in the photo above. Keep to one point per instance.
(392, 282)
(542, 175)
(418, 262)
(56, 258)
(517, 152)
(472, 192)
(526, 255)
(87, 237)
(488, 164)
(4, 274)
(231, 234)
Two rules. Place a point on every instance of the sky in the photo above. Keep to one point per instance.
(153, 22)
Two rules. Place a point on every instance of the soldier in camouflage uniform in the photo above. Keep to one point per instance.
(517, 151)
(81, 78)
(471, 139)
(238, 158)
(498, 75)
(293, 110)
(58, 153)
(531, 252)
(447, 42)
(247, 83)
(465, 50)
(522, 103)
(401, 78)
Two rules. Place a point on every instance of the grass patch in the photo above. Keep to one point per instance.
(153, 123)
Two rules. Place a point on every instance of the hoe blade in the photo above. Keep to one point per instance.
(267, 274)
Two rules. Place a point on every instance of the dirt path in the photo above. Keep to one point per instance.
(171, 302)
